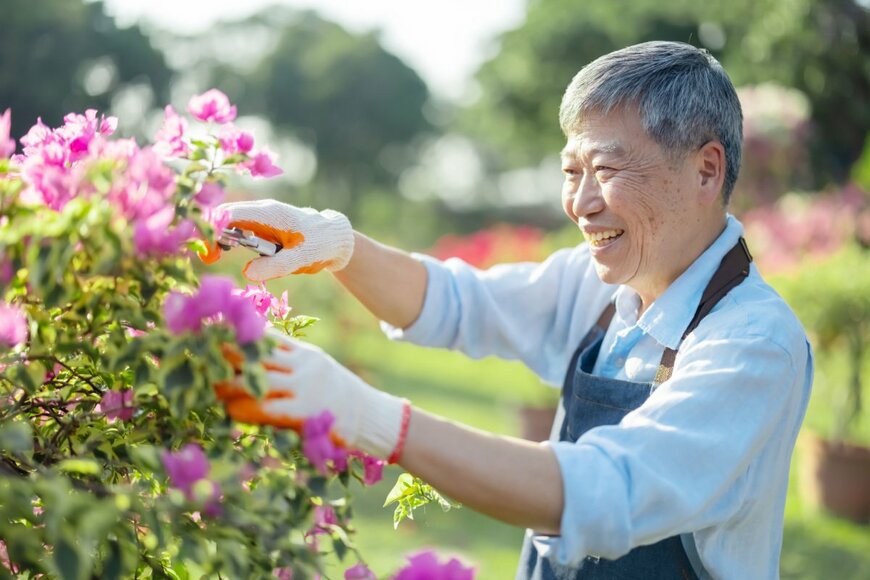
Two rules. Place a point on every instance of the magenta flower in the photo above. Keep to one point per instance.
(117, 405)
(249, 324)
(425, 566)
(373, 469)
(169, 140)
(233, 140)
(359, 572)
(6, 271)
(261, 165)
(7, 144)
(317, 445)
(283, 573)
(180, 315)
(13, 325)
(210, 195)
(185, 467)
(212, 105)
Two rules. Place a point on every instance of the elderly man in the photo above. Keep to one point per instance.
(685, 377)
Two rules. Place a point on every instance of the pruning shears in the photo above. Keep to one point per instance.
(237, 237)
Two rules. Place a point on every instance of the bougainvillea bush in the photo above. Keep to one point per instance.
(116, 459)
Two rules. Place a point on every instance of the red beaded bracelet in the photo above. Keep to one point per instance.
(403, 433)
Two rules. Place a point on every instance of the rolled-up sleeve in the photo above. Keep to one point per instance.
(682, 461)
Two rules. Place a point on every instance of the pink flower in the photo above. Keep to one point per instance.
(283, 573)
(212, 105)
(169, 140)
(280, 307)
(261, 298)
(324, 516)
(185, 467)
(210, 195)
(219, 218)
(373, 469)
(35, 137)
(215, 297)
(146, 187)
(79, 131)
(425, 566)
(317, 445)
(13, 325)
(359, 572)
(261, 165)
(153, 236)
(117, 405)
(233, 140)
(7, 144)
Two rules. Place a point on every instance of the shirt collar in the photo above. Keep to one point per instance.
(668, 317)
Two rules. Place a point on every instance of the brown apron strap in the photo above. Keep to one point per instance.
(605, 318)
(733, 269)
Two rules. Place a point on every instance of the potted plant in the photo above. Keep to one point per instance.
(832, 299)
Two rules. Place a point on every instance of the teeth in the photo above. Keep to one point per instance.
(596, 238)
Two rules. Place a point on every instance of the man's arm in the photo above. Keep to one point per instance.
(387, 281)
(512, 480)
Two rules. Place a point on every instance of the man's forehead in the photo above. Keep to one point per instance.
(577, 145)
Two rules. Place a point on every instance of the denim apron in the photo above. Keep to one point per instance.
(591, 401)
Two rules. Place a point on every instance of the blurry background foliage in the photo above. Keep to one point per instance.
(357, 129)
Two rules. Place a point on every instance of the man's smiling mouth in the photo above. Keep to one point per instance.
(599, 239)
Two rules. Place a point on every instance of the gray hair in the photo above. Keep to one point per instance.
(683, 95)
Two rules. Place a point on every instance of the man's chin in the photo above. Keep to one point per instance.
(607, 274)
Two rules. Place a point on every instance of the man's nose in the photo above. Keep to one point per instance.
(587, 199)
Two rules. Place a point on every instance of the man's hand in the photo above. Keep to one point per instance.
(312, 240)
(304, 381)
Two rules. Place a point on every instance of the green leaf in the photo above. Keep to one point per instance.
(400, 489)
(81, 466)
(16, 437)
(68, 560)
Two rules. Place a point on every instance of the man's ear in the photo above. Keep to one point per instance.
(710, 163)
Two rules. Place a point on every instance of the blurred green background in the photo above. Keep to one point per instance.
(475, 173)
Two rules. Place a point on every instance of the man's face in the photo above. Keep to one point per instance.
(639, 211)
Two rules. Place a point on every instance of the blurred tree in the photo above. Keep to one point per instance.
(58, 56)
(821, 47)
(358, 106)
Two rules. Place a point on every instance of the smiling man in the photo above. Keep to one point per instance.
(685, 377)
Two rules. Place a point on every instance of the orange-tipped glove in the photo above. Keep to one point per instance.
(303, 382)
(311, 240)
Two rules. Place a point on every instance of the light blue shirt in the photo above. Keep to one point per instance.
(707, 454)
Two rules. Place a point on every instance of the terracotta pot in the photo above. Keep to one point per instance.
(835, 475)
(536, 422)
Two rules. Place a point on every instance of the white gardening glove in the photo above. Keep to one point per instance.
(304, 381)
(312, 240)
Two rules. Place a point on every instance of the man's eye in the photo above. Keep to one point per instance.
(569, 172)
(599, 168)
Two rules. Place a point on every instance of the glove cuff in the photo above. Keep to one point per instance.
(341, 239)
(383, 424)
